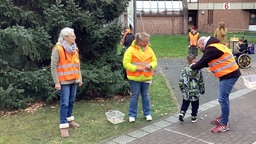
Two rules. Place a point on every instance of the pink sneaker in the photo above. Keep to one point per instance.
(216, 121)
(220, 128)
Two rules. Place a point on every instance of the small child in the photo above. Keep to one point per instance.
(191, 84)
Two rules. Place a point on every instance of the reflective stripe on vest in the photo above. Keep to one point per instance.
(141, 59)
(68, 66)
(142, 64)
(193, 38)
(224, 64)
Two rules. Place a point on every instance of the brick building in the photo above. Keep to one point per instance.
(164, 17)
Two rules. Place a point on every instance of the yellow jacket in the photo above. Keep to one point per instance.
(221, 35)
(135, 57)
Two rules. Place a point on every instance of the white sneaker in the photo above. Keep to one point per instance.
(131, 119)
(149, 118)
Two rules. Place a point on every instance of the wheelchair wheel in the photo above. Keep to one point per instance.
(244, 61)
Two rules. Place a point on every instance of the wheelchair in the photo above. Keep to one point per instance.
(243, 59)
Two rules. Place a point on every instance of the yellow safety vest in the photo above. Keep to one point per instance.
(141, 60)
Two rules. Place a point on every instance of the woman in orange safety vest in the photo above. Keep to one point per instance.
(139, 61)
(65, 70)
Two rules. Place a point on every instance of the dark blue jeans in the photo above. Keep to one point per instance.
(194, 105)
(67, 99)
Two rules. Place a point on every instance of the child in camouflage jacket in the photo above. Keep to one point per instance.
(191, 84)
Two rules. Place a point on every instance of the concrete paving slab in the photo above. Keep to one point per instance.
(138, 133)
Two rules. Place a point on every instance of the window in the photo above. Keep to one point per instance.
(159, 6)
(210, 16)
(252, 20)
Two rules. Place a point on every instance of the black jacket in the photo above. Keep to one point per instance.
(210, 53)
(243, 48)
(128, 39)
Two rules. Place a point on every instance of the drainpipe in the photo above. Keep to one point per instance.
(134, 17)
(185, 16)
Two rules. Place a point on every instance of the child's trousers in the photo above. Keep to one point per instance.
(194, 105)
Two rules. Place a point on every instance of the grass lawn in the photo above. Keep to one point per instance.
(41, 127)
(168, 46)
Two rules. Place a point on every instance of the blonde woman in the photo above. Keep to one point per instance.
(139, 61)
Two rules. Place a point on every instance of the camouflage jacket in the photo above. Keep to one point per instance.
(191, 83)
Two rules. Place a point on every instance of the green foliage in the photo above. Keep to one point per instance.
(19, 87)
(23, 46)
(97, 30)
(102, 79)
(19, 13)
(103, 42)
(29, 30)
(12, 98)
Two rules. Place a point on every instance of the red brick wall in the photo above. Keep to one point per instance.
(161, 25)
(235, 20)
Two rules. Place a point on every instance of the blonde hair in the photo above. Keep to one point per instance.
(64, 32)
(141, 36)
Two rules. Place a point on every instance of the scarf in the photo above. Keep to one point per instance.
(69, 48)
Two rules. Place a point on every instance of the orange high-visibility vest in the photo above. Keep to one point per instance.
(224, 64)
(193, 38)
(125, 33)
(68, 66)
(141, 60)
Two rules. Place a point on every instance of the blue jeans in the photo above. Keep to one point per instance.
(67, 99)
(138, 88)
(225, 87)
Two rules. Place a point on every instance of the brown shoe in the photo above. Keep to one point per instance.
(64, 132)
(73, 124)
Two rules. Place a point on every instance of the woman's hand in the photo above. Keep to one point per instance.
(57, 86)
(148, 67)
(140, 69)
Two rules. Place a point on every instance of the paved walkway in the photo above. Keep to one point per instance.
(170, 131)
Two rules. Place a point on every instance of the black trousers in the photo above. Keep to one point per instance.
(194, 105)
